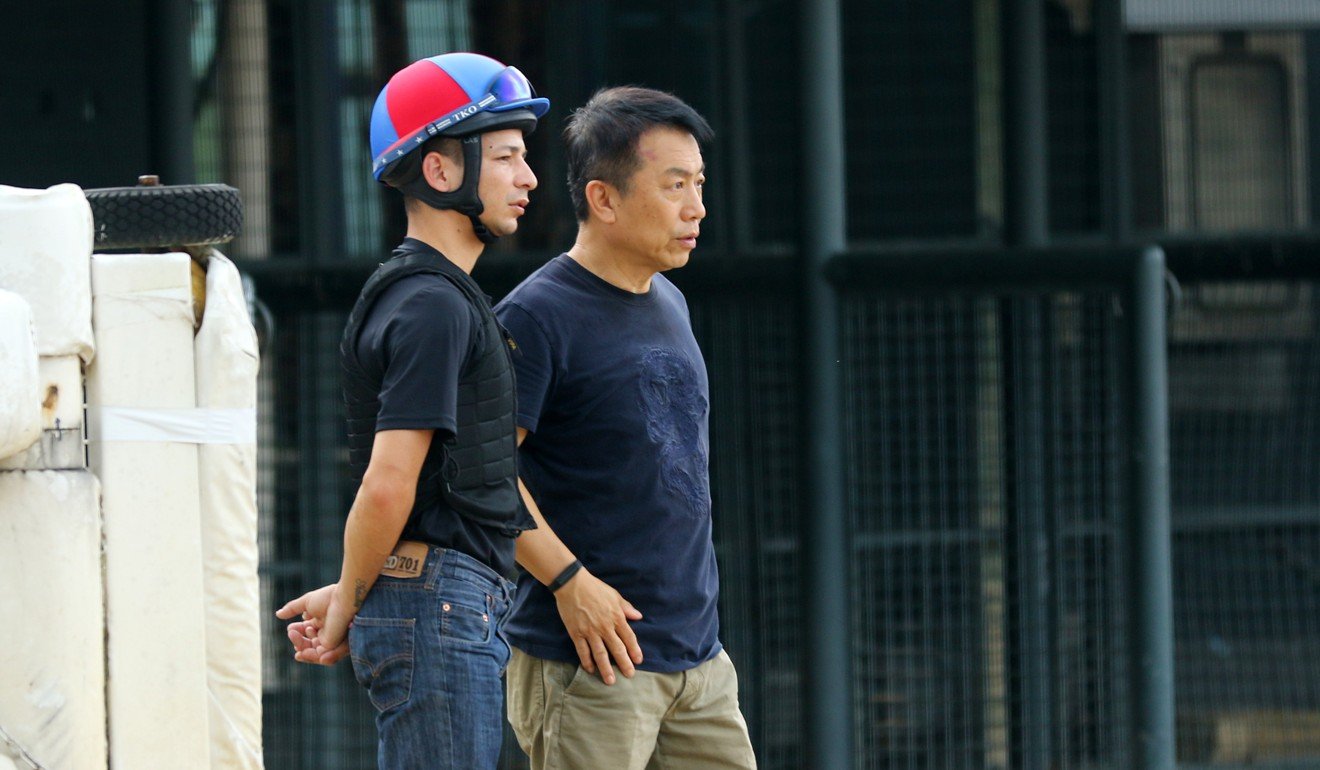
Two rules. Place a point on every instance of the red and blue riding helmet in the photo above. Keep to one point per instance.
(461, 95)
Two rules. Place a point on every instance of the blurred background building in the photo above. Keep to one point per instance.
(947, 523)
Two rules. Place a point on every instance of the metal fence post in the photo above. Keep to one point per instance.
(828, 718)
(1026, 135)
(1030, 536)
(328, 741)
(1026, 224)
(320, 154)
(1150, 621)
(170, 56)
(1115, 163)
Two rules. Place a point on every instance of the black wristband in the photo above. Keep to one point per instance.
(565, 576)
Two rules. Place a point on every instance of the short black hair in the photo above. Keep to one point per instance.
(601, 136)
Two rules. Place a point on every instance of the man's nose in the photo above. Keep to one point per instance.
(696, 208)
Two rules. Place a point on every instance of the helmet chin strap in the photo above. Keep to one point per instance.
(465, 199)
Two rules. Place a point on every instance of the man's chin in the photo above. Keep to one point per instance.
(678, 260)
(501, 227)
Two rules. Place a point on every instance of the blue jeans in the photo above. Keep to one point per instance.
(430, 651)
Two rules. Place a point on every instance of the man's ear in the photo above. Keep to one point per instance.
(441, 172)
(602, 201)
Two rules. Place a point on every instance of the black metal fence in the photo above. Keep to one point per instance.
(989, 504)
(1245, 399)
(989, 417)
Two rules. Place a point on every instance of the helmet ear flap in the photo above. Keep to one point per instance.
(404, 171)
(408, 169)
(465, 199)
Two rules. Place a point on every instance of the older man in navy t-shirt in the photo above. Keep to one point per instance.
(613, 409)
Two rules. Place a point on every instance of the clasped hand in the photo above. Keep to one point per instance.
(321, 635)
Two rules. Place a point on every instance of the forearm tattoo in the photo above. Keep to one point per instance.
(359, 594)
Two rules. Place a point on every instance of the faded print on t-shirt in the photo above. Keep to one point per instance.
(674, 407)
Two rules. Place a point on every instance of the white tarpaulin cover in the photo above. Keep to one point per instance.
(155, 609)
(226, 366)
(20, 395)
(191, 426)
(52, 677)
(45, 245)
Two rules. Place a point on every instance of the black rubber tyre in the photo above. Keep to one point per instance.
(165, 215)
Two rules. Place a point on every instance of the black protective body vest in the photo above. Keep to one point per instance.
(475, 473)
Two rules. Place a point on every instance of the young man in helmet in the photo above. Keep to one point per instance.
(613, 406)
(429, 541)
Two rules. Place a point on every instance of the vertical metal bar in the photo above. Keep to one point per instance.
(988, 55)
(1115, 168)
(320, 178)
(170, 57)
(1149, 548)
(389, 53)
(745, 567)
(1026, 184)
(740, 159)
(991, 493)
(596, 28)
(1030, 535)
(245, 119)
(1026, 223)
(321, 239)
(828, 643)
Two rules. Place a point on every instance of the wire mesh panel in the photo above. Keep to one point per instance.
(376, 39)
(987, 466)
(1088, 500)
(752, 355)
(1245, 405)
(1072, 79)
(281, 574)
(911, 128)
(770, 82)
(986, 432)
(233, 109)
(986, 636)
(313, 716)
(316, 717)
(927, 558)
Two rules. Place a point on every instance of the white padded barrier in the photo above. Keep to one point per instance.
(52, 676)
(59, 403)
(226, 370)
(156, 690)
(20, 397)
(45, 245)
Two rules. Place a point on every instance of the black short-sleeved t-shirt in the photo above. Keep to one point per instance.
(612, 389)
(415, 341)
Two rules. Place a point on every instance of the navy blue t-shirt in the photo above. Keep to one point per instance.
(415, 341)
(612, 390)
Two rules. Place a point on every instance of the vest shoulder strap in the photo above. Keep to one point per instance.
(390, 273)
